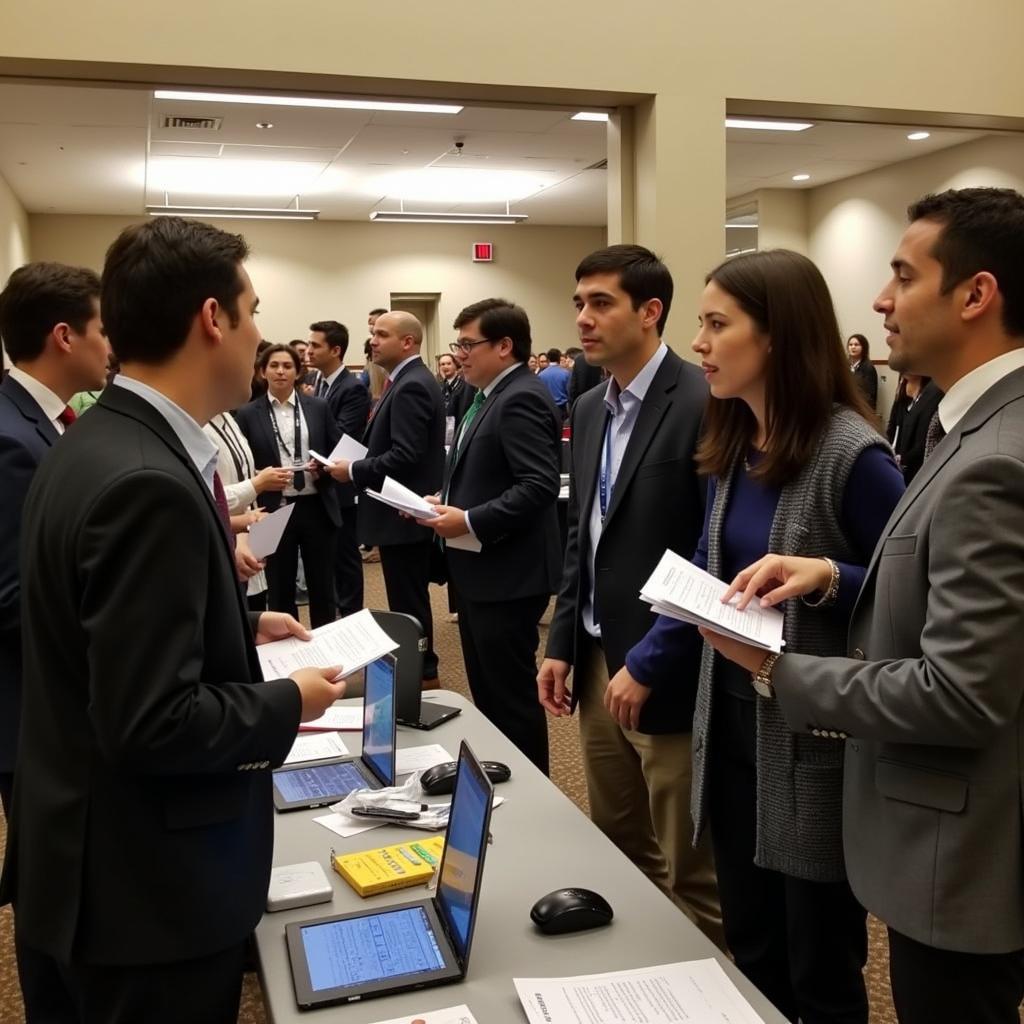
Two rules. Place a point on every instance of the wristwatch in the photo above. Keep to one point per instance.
(761, 680)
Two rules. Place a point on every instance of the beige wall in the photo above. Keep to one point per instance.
(854, 225)
(14, 232)
(340, 270)
(782, 219)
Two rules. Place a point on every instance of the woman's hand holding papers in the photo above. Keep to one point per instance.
(776, 578)
(744, 655)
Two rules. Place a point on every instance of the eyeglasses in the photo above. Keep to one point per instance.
(465, 347)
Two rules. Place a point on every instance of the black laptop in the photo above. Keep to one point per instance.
(328, 781)
(403, 946)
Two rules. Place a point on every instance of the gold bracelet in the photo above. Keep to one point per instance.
(831, 592)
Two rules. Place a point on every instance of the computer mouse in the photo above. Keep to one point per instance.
(570, 910)
(440, 780)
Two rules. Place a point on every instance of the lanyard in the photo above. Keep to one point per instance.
(230, 442)
(604, 485)
(296, 435)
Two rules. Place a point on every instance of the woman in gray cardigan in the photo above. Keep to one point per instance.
(795, 467)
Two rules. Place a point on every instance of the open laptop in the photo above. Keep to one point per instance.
(327, 782)
(405, 945)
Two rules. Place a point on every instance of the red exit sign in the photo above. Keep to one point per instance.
(483, 252)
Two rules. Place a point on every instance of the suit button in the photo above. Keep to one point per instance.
(815, 732)
(833, 735)
(855, 747)
(858, 654)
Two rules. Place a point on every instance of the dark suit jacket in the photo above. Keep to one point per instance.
(349, 404)
(583, 378)
(913, 428)
(657, 503)
(254, 421)
(405, 438)
(142, 828)
(866, 377)
(26, 435)
(507, 478)
(458, 397)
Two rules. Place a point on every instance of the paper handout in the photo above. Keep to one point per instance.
(698, 991)
(449, 1015)
(348, 449)
(681, 590)
(316, 747)
(417, 759)
(352, 642)
(399, 496)
(346, 718)
(265, 535)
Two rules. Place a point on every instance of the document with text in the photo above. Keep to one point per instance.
(400, 497)
(449, 1015)
(698, 991)
(352, 642)
(317, 747)
(683, 591)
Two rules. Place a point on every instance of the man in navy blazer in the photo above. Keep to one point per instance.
(501, 485)
(349, 403)
(50, 325)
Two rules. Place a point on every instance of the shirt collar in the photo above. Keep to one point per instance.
(50, 403)
(199, 448)
(969, 388)
(640, 384)
(289, 401)
(401, 366)
(334, 376)
(501, 376)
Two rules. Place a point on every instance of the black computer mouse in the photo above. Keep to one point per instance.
(570, 910)
(440, 779)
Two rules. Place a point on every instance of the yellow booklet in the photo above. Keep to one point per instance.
(390, 867)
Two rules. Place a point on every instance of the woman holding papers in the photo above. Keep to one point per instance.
(795, 467)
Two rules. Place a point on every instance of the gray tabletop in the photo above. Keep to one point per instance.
(541, 842)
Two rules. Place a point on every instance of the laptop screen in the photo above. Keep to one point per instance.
(379, 719)
(459, 882)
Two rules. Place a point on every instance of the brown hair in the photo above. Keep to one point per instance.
(807, 370)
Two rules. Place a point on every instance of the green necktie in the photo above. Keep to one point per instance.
(478, 400)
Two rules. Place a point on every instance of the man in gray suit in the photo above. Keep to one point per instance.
(929, 699)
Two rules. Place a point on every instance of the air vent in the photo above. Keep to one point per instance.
(601, 165)
(210, 124)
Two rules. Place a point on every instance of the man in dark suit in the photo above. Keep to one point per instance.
(633, 492)
(50, 325)
(456, 394)
(930, 699)
(405, 441)
(281, 428)
(141, 832)
(500, 487)
(349, 402)
(584, 377)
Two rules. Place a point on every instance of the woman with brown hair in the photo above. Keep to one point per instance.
(795, 467)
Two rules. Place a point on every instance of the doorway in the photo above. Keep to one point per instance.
(423, 306)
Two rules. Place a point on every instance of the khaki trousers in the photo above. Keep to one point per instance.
(639, 789)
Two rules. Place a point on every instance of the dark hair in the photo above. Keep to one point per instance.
(983, 230)
(156, 277)
(335, 334)
(807, 370)
(272, 350)
(376, 312)
(37, 297)
(499, 319)
(574, 353)
(865, 348)
(642, 276)
(298, 341)
(554, 356)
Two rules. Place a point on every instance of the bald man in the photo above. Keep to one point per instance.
(405, 438)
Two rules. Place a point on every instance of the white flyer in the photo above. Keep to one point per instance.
(348, 718)
(449, 1015)
(417, 759)
(265, 535)
(348, 449)
(697, 991)
(316, 746)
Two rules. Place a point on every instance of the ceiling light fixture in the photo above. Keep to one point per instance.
(746, 227)
(305, 101)
(768, 126)
(457, 185)
(919, 136)
(589, 115)
(233, 212)
(408, 217)
(264, 124)
(801, 177)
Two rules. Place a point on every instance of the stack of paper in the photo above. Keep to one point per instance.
(679, 589)
(399, 496)
(348, 449)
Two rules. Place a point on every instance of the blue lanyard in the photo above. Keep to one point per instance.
(605, 485)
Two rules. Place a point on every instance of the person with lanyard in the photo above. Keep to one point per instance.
(795, 466)
(917, 398)
(281, 428)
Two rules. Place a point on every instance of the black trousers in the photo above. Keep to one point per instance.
(803, 944)
(201, 991)
(940, 986)
(406, 569)
(310, 531)
(499, 646)
(257, 602)
(6, 785)
(348, 565)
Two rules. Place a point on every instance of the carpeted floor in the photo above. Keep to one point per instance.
(566, 773)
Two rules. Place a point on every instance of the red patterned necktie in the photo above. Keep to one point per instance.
(67, 416)
(221, 501)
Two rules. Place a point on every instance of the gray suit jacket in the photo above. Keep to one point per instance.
(930, 696)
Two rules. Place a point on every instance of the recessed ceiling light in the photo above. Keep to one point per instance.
(801, 177)
(305, 101)
(768, 126)
(224, 176)
(919, 136)
(589, 115)
(264, 124)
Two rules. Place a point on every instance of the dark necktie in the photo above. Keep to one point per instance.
(934, 435)
(67, 416)
(321, 387)
(221, 501)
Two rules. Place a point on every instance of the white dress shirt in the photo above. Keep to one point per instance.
(969, 388)
(284, 417)
(50, 403)
(401, 366)
(624, 408)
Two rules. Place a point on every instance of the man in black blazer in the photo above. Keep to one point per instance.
(633, 492)
(140, 840)
(269, 424)
(50, 325)
(500, 487)
(455, 392)
(584, 377)
(349, 404)
(405, 441)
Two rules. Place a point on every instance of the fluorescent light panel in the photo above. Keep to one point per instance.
(233, 212)
(305, 101)
(407, 217)
(459, 185)
(589, 115)
(768, 126)
(919, 136)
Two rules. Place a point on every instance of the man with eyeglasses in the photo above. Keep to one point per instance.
(500, 489)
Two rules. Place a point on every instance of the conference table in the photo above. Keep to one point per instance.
(541, 842)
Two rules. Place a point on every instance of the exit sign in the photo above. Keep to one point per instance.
(483, 252)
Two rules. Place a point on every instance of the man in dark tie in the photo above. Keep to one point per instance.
(500, 488)
(50, 325)
(349, 403)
